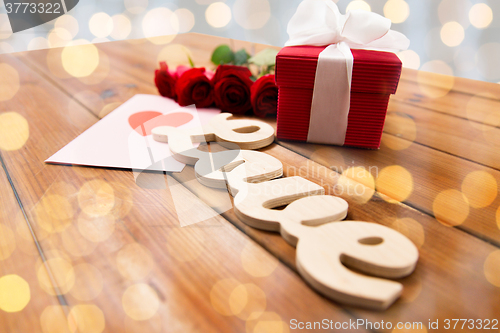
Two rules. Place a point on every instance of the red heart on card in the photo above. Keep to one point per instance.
(143, 122)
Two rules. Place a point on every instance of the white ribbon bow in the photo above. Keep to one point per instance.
(319, 22)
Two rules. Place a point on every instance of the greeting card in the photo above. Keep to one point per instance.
(123, 138)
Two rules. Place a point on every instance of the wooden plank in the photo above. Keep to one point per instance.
(475, 101)
(460, 85)
(453, 135)
(21, 309)
(184, 271)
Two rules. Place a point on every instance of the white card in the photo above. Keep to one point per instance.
(123, 138)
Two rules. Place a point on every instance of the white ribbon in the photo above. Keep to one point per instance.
(319, 23)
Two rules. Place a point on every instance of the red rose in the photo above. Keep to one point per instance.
(194, 87)
(265, 96)
(232, 89)
(165, 80)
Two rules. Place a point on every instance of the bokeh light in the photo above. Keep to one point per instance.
(96, 198)
(174, 55)
(47, 208)
(247, 301)
(59, 37)
(396, 10)
(140, 301)
(54, 213)
(411, 229)
(98, 40)
(88, 282)
(328, 157)
(412, 289)
(38, 43)
(257, 263)
(134, 262)
(480, 113)
(14, 293)
(402, 128)
(96, 228)
(480, 15)
(395, 182)
(61, 272)
(53, 319)
(451, 207)
(454, 10)
(218, 14)
(360, 175)
(6, 47)
(358, 4)
(86, 318)
(410, 59)
(452, 34)
(185, 18)
(136, 6)
(9, 82)
(492, 268)
(97, 76)
(465, 58)
(14, 128)
(498, 217)
(152, 325)
(268, 322)
(80, 58)
(487, 61)
(55, 64)
(5, 29)
(25, 240)
(69, 23)
(220, 294)
(124, 200)
(358, 183)
(434, 47)
(480, 188)
(251, 14)
(435, 86)
(108, 108)
(75, 244)
(121, 27)
(101, 25)
(160, 22)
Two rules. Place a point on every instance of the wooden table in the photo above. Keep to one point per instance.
(99, 253)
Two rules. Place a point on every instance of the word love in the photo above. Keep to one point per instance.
(325, 250)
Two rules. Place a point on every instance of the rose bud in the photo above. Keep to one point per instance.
(165, 80)
(264, 96)
(232, 89)
(194, 87)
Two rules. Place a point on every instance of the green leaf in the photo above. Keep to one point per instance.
(241, 57)
(222, 55)
(191, 63)
(266, 57)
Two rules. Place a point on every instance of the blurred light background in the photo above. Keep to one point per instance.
(454, 37)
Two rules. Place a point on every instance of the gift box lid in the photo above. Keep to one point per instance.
(373, 72)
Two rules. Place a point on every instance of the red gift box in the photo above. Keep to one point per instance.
(375, 77)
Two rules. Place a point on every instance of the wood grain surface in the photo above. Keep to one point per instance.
(113, 258)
